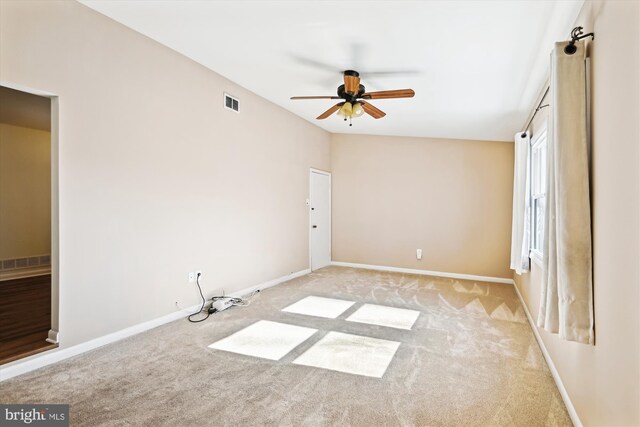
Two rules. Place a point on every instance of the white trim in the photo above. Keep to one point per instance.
(425, 272)
(536, 256)
(55, 213)
(575, 419)
(52, 337)
(55, 196)
(25, 272)
(539, 140)
(320, 171)
(271, 283)
(37, 361)
(27, 89)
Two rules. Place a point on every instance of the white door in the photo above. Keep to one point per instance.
(320, 219)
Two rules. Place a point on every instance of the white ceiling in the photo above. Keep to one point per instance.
(476, 66)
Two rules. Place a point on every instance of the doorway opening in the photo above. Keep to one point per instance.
(28, 223)
(319, 219)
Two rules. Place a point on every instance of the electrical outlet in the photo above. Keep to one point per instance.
(418, 253)
(192, 277)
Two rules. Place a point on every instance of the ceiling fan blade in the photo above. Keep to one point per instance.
(389, 73)
(330, 111)
(387, 94)
(315, 97)
(351, 84)
(372, 111)
(310, 62)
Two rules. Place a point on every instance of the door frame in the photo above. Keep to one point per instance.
(55, 205)
(327, 173)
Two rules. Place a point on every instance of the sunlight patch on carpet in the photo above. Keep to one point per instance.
(381, 315)
(329, 308)
(265, 339)
(353, 354)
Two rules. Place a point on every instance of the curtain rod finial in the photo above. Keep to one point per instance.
(576, 34)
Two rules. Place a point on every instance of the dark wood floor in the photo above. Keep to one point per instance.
(25, 317)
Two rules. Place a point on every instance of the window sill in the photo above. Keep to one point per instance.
(536, 257)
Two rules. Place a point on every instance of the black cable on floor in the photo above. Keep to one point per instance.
(204, 301)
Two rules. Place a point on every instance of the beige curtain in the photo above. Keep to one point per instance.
(566, 306)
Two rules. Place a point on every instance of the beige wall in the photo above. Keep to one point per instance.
(603, 381)
(450, 198)
(156, 178)
(25, 192)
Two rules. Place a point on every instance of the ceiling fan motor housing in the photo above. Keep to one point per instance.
(351, 82)
(349, 97)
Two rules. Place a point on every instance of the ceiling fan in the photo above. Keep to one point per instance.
(354, 94)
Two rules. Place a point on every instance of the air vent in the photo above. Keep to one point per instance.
(231, 103)
(17, 263)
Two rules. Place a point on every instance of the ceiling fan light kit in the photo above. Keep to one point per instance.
(346, 110)
(357, 110)
(353, 94)
(349, 111)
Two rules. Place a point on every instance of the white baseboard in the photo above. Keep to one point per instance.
(425, 272)
(575, 419)
(270, 283)
(25, 272)
(40, 360)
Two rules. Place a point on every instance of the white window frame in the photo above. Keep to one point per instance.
(540, 139)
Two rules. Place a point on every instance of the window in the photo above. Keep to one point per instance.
(538, 191)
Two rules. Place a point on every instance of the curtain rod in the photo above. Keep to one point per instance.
(538, 108)
(570, 49)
